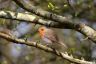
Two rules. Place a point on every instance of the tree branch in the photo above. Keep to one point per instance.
(40, 12)
(42, 47)
(82, 28)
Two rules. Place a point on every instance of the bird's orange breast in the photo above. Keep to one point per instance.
(41, 31)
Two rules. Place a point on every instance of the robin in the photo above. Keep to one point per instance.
(49, 36)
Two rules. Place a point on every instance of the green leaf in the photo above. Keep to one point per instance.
(51, 6)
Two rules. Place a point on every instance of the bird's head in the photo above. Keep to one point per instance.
(42, 30)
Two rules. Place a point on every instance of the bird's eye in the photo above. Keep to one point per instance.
(42, 29)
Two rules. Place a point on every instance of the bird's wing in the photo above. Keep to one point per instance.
(51, 36)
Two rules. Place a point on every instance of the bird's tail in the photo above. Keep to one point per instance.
(64, 46)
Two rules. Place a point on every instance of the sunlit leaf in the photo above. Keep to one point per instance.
(65, 5)
(51, 6)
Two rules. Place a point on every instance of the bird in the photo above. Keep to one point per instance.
(50, 37)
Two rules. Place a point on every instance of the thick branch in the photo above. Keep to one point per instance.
(47, 49)
(34, 19)
(40, 12)
(84, 29)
